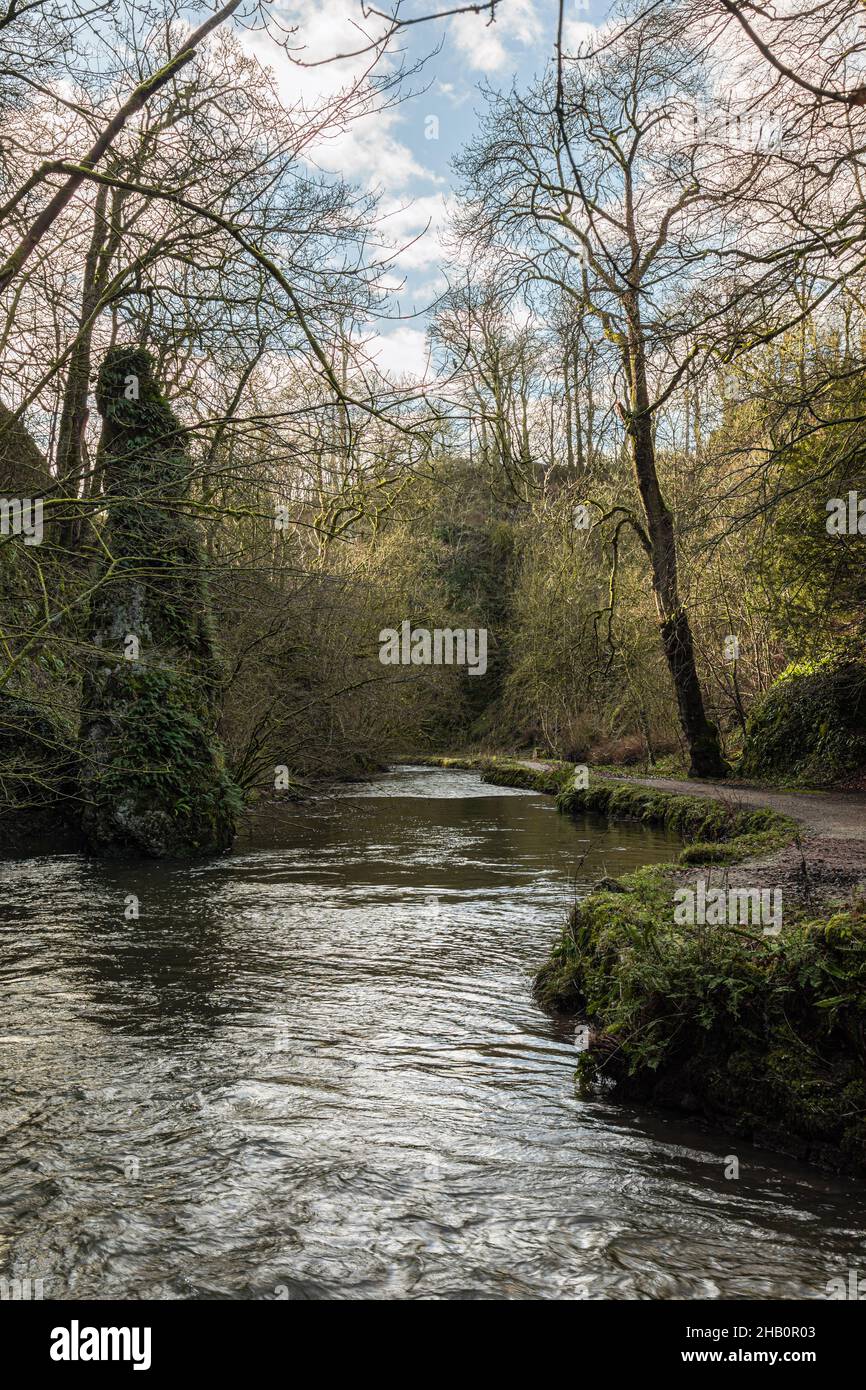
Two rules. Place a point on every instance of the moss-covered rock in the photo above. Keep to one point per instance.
(811, 724)
(505, 771)
(153, 777)
(762, 1034)
(549, 779)
(24, 471)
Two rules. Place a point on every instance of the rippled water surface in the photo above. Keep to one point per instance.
(313, 1069)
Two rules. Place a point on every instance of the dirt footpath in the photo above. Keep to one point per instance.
(838, 814)
(830, 859)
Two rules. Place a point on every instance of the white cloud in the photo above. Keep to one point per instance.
(413, 228)
(400, 352)
(365, 149)
(426, 293)
(488, 47)
(577, 34)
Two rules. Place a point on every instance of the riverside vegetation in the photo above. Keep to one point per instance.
(761, 1035)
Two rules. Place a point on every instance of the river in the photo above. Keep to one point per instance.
(313, 1069)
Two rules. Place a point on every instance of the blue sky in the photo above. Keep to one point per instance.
(405, 152)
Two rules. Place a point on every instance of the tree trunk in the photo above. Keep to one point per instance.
(73, 418)
(702, 737)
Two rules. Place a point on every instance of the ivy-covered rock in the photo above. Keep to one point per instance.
(153, 776)
(811, 724)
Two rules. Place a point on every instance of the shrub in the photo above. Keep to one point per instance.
(811, 724)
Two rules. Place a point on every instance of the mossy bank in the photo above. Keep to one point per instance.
(716, 832)
(760, 1035)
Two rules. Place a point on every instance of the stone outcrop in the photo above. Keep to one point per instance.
(153, 778)
(23, 469)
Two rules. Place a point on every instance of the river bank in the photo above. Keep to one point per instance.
(812, 844)
(760, 1033)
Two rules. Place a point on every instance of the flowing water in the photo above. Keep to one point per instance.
(313, 1069)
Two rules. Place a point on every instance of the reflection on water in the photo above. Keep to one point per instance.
(313, 1069)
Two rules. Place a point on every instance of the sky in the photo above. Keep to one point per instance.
(405, 153)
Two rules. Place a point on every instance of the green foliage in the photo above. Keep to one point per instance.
(549, 780)
(37, 772)
(762, 1034)
(578, 677)
(508, 772)
(23, 469)
(39, 697)
(474, 563)
(817, 582)
(811, 724)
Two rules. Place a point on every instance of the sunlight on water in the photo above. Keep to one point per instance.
(313, 1069)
